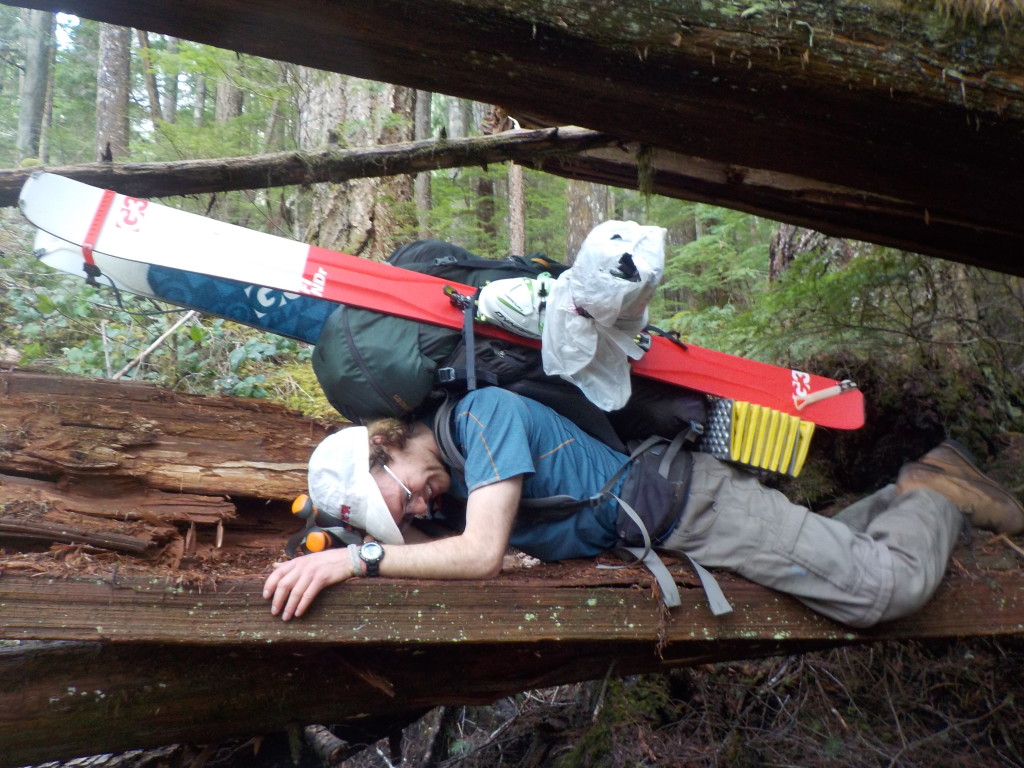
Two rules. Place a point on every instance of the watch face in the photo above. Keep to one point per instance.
(371, 550)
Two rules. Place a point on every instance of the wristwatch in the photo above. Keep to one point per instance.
(372, 553)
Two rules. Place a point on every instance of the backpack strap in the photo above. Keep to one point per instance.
(466, 377)
(450, 453)
(469, 339)
(647, 555)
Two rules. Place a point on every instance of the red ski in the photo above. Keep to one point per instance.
(97, 221)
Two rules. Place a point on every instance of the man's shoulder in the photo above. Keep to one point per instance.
(490, 396)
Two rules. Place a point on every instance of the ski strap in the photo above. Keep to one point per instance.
(823, 394)
(98, 219)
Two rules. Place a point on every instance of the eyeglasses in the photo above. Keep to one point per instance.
(407, 508)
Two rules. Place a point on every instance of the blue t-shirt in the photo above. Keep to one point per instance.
(503, 435)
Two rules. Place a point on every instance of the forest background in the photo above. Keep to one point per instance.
(937, 347)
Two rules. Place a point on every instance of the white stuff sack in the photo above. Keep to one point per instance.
(517, 304)
(598, 306)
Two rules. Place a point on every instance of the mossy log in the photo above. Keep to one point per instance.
(144, 662)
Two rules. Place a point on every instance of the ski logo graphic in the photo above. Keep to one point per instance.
(266, 300)
(131, 214)
(801, 386)
(313, 283)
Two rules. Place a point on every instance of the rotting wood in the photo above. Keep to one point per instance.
(39, 521)
(898, 101)
(148, 504)
(113, 437)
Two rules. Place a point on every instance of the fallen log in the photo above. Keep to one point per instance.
(147, 663)
(919, 104)
(190, 177)
(114, 650)
(105, 437)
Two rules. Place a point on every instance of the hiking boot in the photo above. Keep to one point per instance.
(950, 470)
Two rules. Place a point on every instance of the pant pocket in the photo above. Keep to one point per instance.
(828, 550)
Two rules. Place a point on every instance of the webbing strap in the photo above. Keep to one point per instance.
(649, 558)
(443, 434)
(716, 598)
(665, 465)
(469, 341)
(631, 513)
(89, 242)
(653, 563)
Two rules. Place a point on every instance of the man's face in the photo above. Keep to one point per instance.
(416, 478)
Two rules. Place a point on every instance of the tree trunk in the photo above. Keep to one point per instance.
(170, 101)
(588, 207)
(516, 209)
(199, 100)
(421, 182)
(460, 118)
(498, 121)
(366, 218)
(32, 103)
(112, 89)
(156, 113)
(230, 99)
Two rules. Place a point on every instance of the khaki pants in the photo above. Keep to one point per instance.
(880, 559)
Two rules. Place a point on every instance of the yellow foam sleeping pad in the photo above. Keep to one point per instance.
(757, 436)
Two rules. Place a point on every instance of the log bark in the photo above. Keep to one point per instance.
(907, 104)
(189, 177)
(151, 663)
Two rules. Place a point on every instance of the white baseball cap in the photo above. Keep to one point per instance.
(340, 485)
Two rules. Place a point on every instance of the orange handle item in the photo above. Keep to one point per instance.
(317, 541)
(303, 506)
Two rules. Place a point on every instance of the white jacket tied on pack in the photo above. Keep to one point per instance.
(597, 307)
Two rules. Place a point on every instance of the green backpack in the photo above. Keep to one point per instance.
(372, 365)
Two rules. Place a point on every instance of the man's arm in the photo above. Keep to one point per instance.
(476, 553)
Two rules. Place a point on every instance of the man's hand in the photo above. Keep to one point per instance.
(292, 585)
(474, 554)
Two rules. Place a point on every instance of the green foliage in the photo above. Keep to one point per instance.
(724, 264)
(456, 198)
